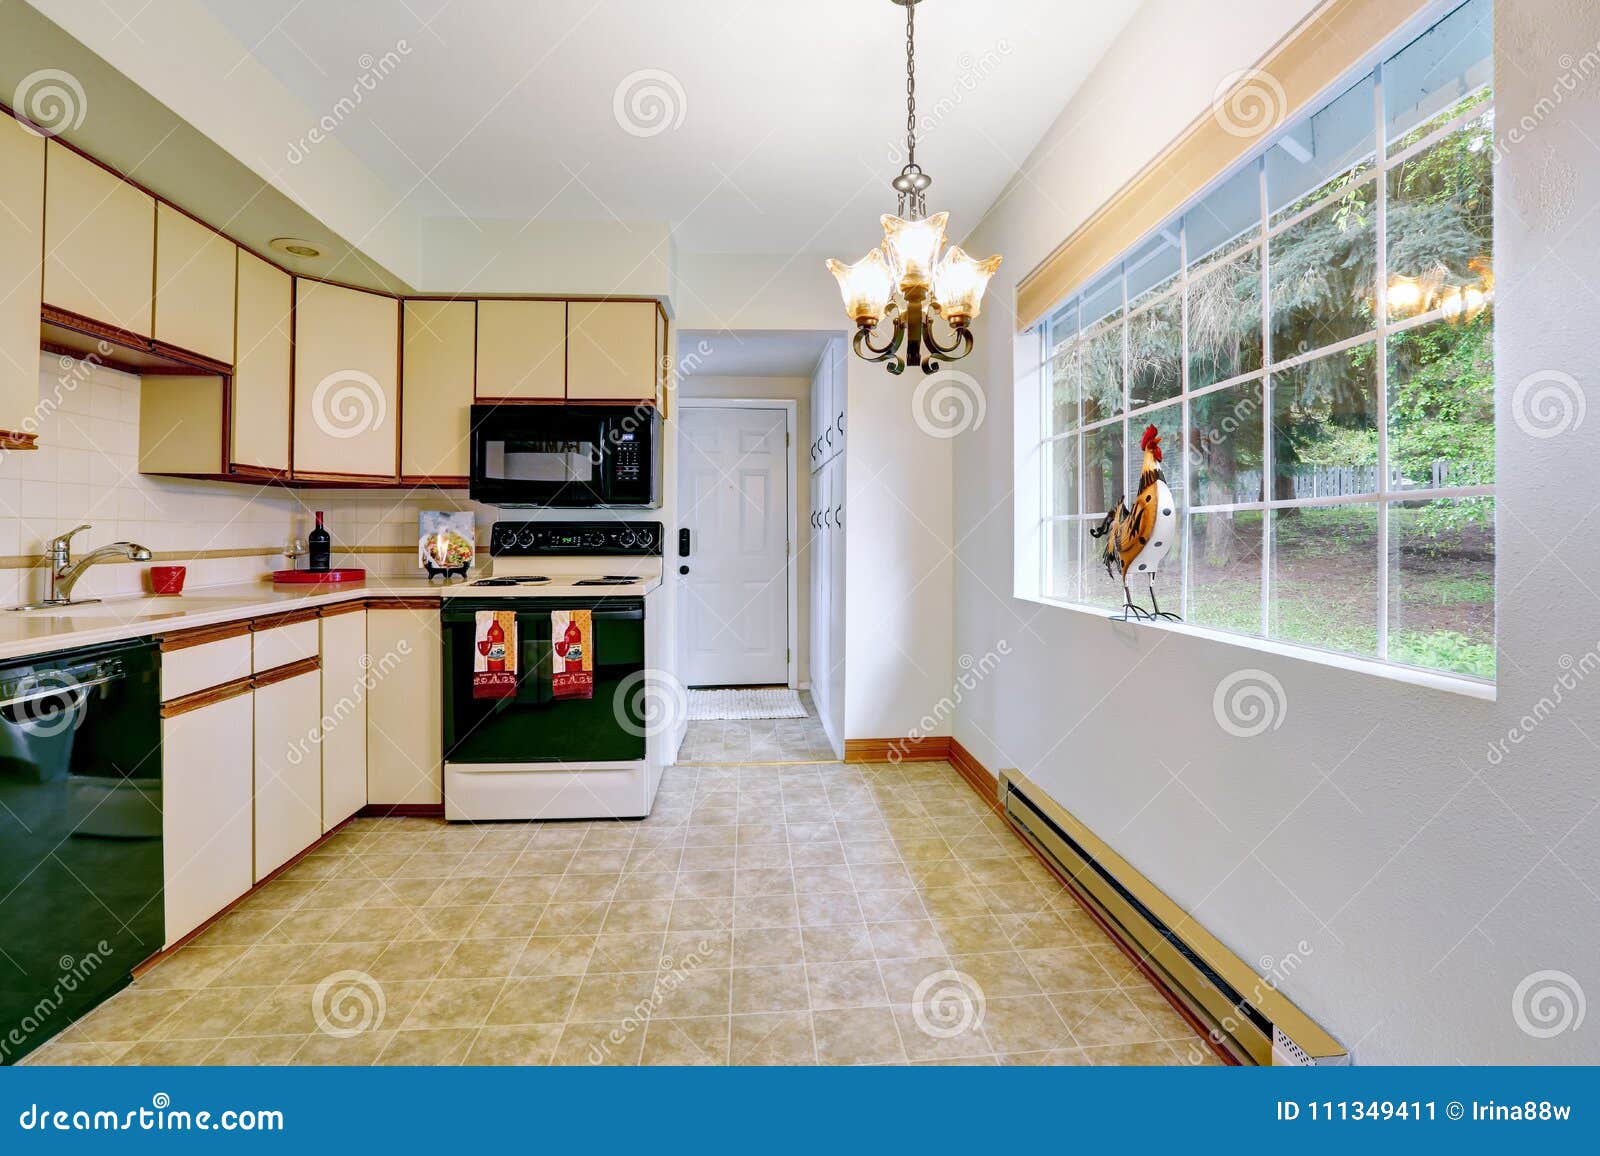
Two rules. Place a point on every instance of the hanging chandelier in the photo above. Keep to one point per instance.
(906, 279)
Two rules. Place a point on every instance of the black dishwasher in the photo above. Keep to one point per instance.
(80, 833)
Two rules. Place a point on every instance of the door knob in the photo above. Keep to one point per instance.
(683, 569)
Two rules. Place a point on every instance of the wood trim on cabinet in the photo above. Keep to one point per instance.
(286, 618)
(177, 360)
(357, 481)
(11, 440)
(285, 672)
(354, 606)
(200, 635)
(935, 748)
(210, 696)
(402, 603)
(443, 483)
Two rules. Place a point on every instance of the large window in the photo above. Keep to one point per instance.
(1313, 339)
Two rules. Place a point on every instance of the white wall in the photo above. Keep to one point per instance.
(1427, 879)
(899, 559)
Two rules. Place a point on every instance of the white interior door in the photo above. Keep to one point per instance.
(733, 486)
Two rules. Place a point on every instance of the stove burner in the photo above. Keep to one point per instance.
(515, 580)
(607, 580)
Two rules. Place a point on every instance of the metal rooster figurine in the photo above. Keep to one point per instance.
(1138, 539)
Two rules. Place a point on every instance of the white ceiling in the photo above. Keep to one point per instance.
(784, 124)
(750, 352)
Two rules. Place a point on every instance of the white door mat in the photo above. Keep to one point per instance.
(774, 702)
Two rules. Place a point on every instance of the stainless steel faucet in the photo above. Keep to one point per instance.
(64, 572)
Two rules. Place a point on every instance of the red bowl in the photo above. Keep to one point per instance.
(167, 579)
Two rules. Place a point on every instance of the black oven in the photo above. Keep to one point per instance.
(566, 456)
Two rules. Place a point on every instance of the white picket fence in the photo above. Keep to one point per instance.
(1337, 482)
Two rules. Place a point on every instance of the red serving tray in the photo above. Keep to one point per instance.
(306, 577)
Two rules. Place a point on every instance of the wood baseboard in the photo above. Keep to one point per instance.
(929, 750)
(977, 776)
(401, 810)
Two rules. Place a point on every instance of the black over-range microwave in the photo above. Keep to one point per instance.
(560, 456)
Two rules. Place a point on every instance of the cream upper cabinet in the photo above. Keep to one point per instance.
(522, 349)
(262, 365)
(99, 243)
(195, 269)
(21, 235)
(436, 392)
(346, 376)
(611, 350)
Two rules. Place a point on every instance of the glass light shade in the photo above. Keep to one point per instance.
(865, 286)
(913, 247)
(959, 282)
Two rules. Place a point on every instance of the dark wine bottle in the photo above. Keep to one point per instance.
(319, 544)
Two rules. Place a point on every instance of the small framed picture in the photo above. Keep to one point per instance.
(445, 541)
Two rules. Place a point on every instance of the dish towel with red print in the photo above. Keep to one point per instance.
(572, 631)
(494, 661)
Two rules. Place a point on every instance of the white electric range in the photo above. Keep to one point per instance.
(535, 754)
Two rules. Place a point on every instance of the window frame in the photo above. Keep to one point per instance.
(1370, 169)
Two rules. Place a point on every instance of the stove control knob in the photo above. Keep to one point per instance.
(626, 540)
(527, 538)
(645, 539)
(595, 540)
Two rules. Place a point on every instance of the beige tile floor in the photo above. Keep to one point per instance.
(795, 914)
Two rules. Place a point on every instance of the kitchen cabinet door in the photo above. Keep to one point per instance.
(180, 425)
(405, 716)
(21, 235)
(819, 410)
(346, 383)
(839, 399)
(436, 391)
(344, 716)
(611, 351)
(195, 272)
(262, 365)
(288, 765)
(837, 536)
(99, 242)
(206, 774)
(522, 350)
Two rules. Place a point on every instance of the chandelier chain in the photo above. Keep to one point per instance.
(911, 83)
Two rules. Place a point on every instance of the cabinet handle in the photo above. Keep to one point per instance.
(838, 515)
(830, 435)
(840, 422)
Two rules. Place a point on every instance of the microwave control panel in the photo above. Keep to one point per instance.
(628, 457)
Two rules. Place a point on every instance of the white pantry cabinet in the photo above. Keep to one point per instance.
(206, 808)
(288, 768)
(405, 709)
(344, 714)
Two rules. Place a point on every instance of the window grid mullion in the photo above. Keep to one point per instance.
(1183, 394)
(1269, 472)
(1381, 309)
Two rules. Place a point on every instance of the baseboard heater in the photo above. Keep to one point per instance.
(1244, 1011)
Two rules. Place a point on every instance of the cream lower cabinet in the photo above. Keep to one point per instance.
(288, 768)
(206, 813)
(344, 714)
(405, 716)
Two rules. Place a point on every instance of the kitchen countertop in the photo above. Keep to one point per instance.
(24, 634)
(32, 632)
